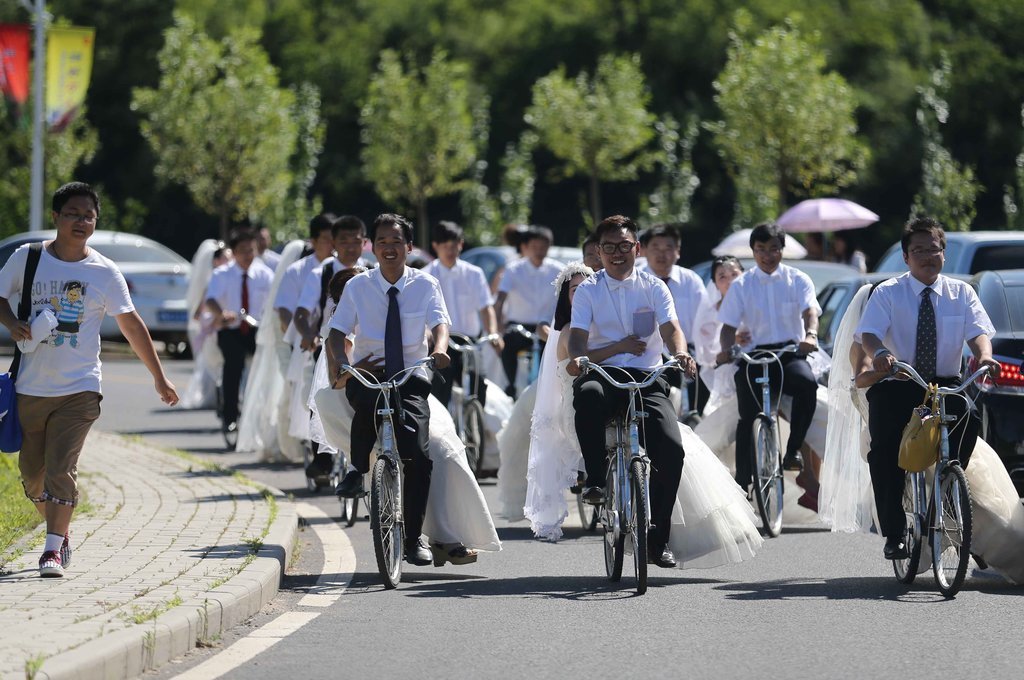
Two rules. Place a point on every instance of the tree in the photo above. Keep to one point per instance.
(1013, 194)
(948, 189)
(420, 132)
(787, 126)
(65, 152)
(485, 214)
(219, 124)
(672, 197)
(599, 127)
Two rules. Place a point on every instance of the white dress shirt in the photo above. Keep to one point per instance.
(892, 310)
(770, 305)
(270, 258)
(226, 288)
(309, 295)
(688, 293)
(465, 292)
(528, 289)
(291, 283)
(605, 307)
(363, 310)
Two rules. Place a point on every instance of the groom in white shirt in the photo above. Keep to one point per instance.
(616, 303)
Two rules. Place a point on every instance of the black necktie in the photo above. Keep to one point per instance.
(394, 361)
(925, 347)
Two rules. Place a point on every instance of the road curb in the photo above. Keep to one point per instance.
(131, 652)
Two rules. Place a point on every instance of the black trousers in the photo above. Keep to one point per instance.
(446, 378)
(412, 434)
(596, 402)
(515, 343)
(795, 379)
(235, 347)
(890, 405)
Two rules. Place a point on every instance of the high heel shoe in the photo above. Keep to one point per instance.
(457, 555)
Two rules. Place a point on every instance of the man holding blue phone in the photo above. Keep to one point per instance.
(617, 303)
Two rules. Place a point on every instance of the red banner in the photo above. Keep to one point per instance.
(15, 41)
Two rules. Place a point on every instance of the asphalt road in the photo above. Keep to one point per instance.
(811, 604)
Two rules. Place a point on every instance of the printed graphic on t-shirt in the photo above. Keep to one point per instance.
(67, 301)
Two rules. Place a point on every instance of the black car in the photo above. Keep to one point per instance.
(1001, 401)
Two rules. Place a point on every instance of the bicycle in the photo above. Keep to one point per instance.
(766, 455)
(948, 520)
(467, 411)
(528, 361)
(387, 521)
(349, 506)
(627, 507)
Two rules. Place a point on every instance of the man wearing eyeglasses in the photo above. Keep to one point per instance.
(617, 303)
(922, 318)
(777, 303)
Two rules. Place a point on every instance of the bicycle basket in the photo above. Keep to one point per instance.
(919, 446)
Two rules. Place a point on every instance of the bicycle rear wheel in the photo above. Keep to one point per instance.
(614, 539)
(350, 510)
(767, 475)
(589, 514)
(951, 541)
(906, 570)
(387, 530)
(638, 523)
(473, 437)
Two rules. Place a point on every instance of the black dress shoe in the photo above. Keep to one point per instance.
(793, 461)
(351, 486)
(320, 466)
(593, 495)
(663, 557)
(417, 553)
(896, 548)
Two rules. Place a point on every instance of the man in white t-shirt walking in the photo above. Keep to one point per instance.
(524, 297)
(469, 304)
(58, 383)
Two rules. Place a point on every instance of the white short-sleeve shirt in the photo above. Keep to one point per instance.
(770, 305)
(291, 283)
(226, 287)
(79, 294)
(528, 291)
(363, 310)
(607, 308)
(309, 295)
(688, 293)
(465, 291)
(892, 310)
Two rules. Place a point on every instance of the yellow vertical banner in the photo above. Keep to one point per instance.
(68, 68)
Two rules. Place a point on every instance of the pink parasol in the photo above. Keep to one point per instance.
(826, 214)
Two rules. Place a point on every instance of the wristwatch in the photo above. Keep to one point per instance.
(880, 351)
(813, 334)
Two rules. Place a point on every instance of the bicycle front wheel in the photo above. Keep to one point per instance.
(387, 530)
(638, 523)
(906, 570)
(589, 514)
(951, 538)
(473, 437)
(614, 539)
(767, 475)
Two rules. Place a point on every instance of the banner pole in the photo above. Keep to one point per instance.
(38, 122)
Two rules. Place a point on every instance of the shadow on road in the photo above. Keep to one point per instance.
(176, 430)
(869, 588)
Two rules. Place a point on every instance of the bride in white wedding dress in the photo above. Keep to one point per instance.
(846, 502)
(457, 513)
(712, 522)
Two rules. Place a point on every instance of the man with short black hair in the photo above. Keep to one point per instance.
(322, 242)
(922, 318)
(468, 299)
(777, 303)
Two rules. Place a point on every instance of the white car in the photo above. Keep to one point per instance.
(157, 280)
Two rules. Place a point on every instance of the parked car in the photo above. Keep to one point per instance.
(968, 252)
(492, 259)
(157, 280)
(1001, 401)
(821, 273)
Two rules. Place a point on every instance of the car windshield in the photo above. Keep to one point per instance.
(136, 252)
(1015, 304)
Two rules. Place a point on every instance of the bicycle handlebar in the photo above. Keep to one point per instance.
(467, 346)
(357, 373)
(906, 368)
(773, 354)
(588, 365)
(521, 330)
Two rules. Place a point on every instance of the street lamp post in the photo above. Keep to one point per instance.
(38, 123)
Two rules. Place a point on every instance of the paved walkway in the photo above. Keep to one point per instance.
(171, 553)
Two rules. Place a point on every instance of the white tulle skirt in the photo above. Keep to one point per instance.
(456, 509)
(514, 454)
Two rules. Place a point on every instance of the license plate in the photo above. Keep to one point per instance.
(171, 316)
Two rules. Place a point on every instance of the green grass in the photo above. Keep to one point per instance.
(17, 514)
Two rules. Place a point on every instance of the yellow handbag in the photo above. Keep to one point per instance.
(919, 446)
